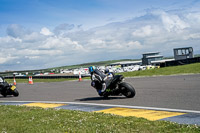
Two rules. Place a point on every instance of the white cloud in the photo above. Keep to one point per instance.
(62, 43)
(173, 23)
(39, 53)
(68, 44)
(45, 31)
(193, 17)
(146, 31)
(32, 57)
(97, 43)
(192, 36)
(134, 45)
(5, 59)
(8, 39)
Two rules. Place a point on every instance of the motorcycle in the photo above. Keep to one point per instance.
(116, 87)
(7, 89)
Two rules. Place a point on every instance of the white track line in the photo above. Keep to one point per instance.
(112, 105)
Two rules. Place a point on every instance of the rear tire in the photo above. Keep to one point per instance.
(4, 94)
(15, 93)
(127, 90)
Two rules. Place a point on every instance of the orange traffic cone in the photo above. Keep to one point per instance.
(80, 79)
(15, 83)
(30, 80)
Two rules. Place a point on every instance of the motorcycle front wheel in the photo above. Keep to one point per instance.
(15, 93)
(127, 90)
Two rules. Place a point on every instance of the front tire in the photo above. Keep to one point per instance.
(15, 93)
(127, 90)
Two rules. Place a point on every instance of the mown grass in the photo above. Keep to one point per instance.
(99, 63)
(184, 69)
(44, 80)
(18, 119)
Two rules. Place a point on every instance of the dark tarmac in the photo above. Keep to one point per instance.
(174, 92)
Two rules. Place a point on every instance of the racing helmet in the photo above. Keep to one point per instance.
(91, 69)
(106, 71)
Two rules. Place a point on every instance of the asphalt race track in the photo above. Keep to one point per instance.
(173, 92)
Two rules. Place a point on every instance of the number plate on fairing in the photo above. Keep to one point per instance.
(13, 88)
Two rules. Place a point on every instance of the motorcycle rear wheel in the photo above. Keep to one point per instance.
(4, 94)
(127, 90)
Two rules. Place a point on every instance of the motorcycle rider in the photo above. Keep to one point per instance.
(99, 76)
(3, 84)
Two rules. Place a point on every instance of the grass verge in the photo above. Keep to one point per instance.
(43, 80)
(18, 119)
(184, 69)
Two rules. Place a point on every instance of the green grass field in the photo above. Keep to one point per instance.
(100, 63)
(21, 119)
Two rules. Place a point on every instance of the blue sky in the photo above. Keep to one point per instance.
(53, 32)
(89, 13)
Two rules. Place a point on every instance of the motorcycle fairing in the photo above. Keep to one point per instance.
(13, 88)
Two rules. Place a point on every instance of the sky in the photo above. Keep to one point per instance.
(38, 34)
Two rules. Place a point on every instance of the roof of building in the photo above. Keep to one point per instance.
(126, 62)
(151, 53)
(182, 48)
(154, 56)
(162, 61)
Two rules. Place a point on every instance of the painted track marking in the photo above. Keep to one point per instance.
(148, 114)
(109, 105)
(188, 116)
(43, 105)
